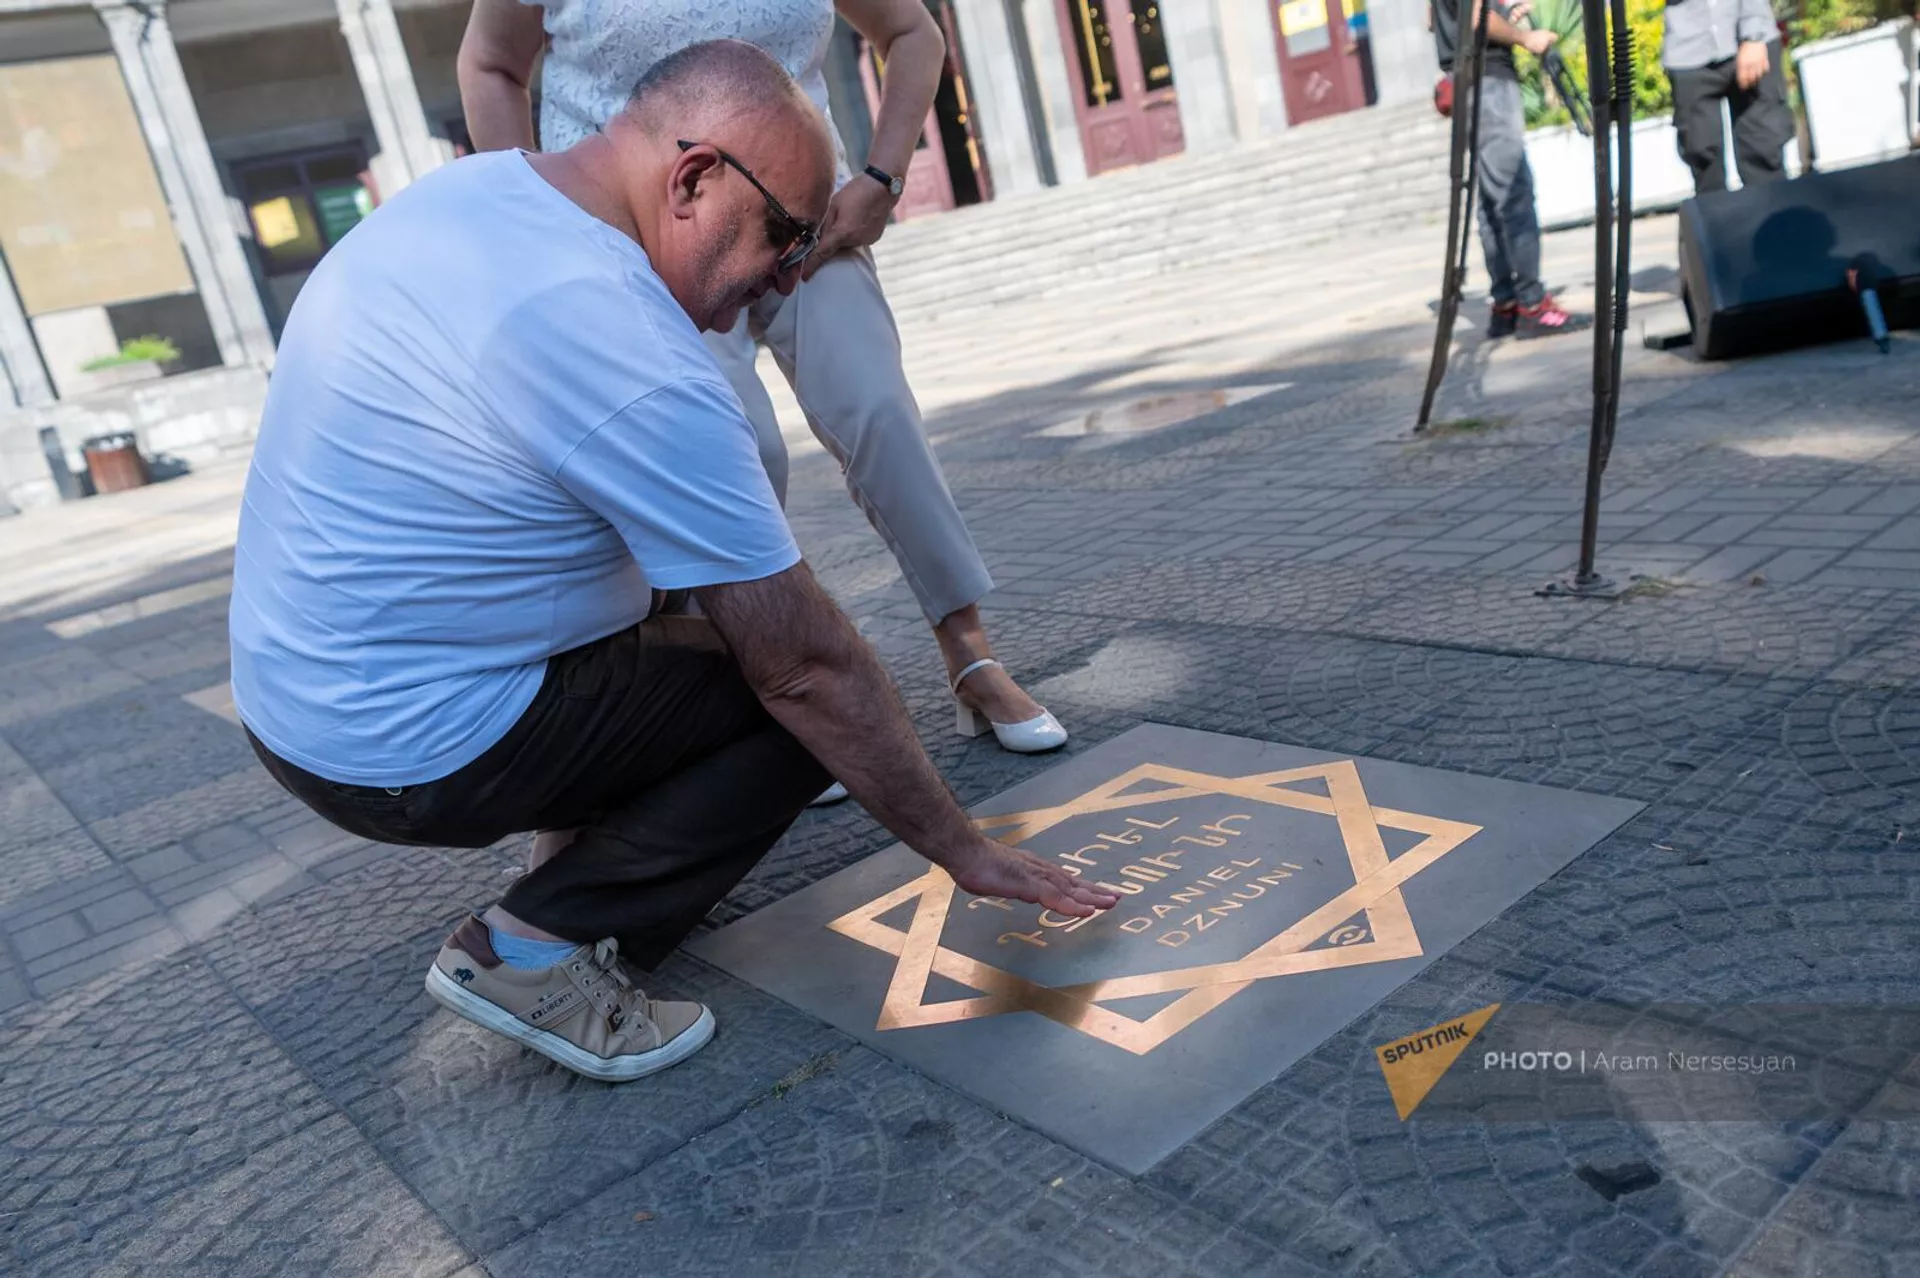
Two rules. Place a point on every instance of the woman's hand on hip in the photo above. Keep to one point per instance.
(856, 217)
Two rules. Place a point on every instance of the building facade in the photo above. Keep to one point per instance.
(175, 168)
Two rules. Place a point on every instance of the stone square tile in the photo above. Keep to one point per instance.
(125, 1092)
(317, 1202)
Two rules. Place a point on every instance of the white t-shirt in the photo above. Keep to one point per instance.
(599, 49)
(490, 433)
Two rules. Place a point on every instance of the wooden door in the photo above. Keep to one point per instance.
(1124, 95)
(959, 130)
(1319, 62)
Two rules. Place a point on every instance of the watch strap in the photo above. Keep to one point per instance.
(885, 179)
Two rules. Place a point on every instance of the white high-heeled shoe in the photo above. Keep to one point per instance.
(1030, 736)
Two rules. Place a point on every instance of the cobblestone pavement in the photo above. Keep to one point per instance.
(220, 1061)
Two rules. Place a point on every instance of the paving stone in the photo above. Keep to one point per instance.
(159, 864)
(171, 817)
(40, 842)
(258, 877)
(202, 917)
(317, 1202)
(952, 1184)
(129, 948)
(1845, 1212)
(104, 916)
(1797, 631)
(118, 1095)
(65, 896)
(14, 989)
(44, 938)
(56, 682)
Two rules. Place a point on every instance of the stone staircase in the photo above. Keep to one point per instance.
(1366, 171)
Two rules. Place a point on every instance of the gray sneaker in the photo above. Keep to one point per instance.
(583, 1012)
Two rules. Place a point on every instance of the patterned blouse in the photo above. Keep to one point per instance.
(600, 48)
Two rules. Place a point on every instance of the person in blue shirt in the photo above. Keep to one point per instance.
(493, 440)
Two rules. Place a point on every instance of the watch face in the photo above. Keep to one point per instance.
(896, 186)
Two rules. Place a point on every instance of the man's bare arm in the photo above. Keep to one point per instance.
(819, 678)
(497, 57)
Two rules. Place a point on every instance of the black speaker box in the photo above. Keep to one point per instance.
(1765, 267)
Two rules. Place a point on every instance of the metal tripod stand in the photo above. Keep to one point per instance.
(1608, 101)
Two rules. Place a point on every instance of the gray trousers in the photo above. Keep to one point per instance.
(836, 342)
(1509, 227)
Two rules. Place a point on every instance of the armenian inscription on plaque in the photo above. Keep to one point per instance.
(1268, 896)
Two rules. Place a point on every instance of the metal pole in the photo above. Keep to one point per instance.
(1623, 218)
(1610, 88)
(1600, 93)
(1463, 173)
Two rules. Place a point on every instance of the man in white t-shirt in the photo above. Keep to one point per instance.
(493, 438)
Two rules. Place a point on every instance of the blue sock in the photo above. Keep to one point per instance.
(518, 951)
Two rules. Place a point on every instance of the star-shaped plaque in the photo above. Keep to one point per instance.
(1239, 862)
(1388, 933)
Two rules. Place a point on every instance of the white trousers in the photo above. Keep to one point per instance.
(836, 341)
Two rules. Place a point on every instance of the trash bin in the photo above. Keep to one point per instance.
(115, 462)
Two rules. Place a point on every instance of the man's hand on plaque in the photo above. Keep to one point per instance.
(994, 869)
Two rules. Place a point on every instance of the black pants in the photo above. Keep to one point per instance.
(1762, 122)
(651, 742)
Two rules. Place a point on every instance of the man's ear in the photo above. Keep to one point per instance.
(690, 168)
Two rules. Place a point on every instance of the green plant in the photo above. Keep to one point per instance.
(1646, 19)
(1810, 20)
(1648, 588)
(1542, 104)
(803, 1072)
(136, 350)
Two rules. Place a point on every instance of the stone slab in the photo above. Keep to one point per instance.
(1273, 894)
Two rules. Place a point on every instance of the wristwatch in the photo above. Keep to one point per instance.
(893, 184)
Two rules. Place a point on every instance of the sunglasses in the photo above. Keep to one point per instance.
(794, 236)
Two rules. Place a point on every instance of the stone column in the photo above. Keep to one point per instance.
(26, 374)
(1253, 68)
(1055, 87)
(1404, 62)
(407, 148)
(1199, 74)
(999, 96)
(144, 46)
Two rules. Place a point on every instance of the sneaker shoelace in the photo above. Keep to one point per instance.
(609, 986)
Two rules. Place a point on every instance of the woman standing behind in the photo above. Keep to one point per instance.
(834, 338)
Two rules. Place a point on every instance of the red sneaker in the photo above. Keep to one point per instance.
(1547, 318)
(1505, 318)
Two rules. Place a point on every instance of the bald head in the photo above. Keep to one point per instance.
(726, 167)
(715, 81)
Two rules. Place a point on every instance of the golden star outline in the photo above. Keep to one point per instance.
(1375, 893)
